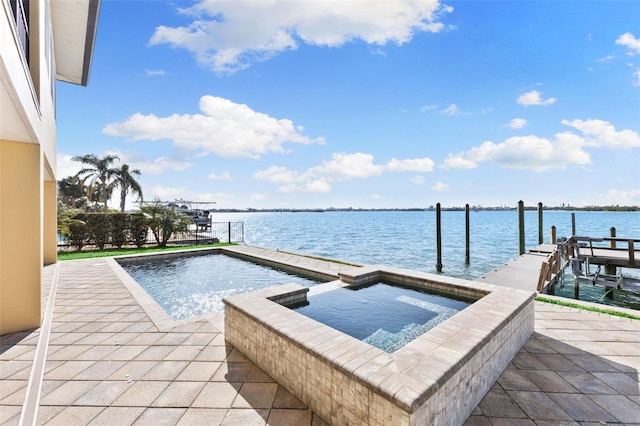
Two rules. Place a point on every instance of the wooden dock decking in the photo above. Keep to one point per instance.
(538, 268)
(522, 272)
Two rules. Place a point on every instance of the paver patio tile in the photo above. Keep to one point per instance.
(581, 408)
(126, 353)
(10, 415)
(16, 397)
(96, 353)
(200, 339)
(75, 415)
(213, 353)
(284, 399)
(68, 370)
(141, 394)
(160, 416)
(514, 379)
(538, 406)
(477, 421)
(47, 412)
(497, 403)
(502, 421)
(132, 370)
(155, 353)
(558, 362)
(117, 416)
(256, 395)
(527, 361)
(203, 416)
(246, 417)
(179, 394)
(184, 353)
(257, 375)
(173, 339)
(67, 392)
(104, 393)
(65, 353)
(165, 370)
(549, 381)
(232, 371)
(8, 387)
(587, 383)
(100, 370)
(146, 339)
(620, 382)
(593, 363)
(619, 406)
(16, 352)
(217, 395)
(9, 370)
(198, 371)
(286, 417)
(96, 338)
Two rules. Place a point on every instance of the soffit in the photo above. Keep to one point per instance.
(74, 25)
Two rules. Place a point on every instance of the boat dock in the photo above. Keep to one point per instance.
(532, 271)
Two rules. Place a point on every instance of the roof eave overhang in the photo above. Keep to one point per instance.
(74, 25)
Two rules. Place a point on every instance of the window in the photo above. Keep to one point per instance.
(21, 17)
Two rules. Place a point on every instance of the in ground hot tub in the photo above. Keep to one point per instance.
(437, 378)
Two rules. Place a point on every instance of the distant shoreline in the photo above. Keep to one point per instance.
(431, 208)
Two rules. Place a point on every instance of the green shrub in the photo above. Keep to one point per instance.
(78, 235)
(99, 229)
(119, 228)
(138, 229)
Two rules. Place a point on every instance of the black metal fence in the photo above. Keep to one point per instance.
(212, 233)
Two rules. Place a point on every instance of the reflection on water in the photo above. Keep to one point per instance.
(599, 293)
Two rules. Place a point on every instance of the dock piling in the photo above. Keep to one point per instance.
(521, 227)
(611, 269)
(467, 254)
(540, 236)
(553, 235)
(438, 239)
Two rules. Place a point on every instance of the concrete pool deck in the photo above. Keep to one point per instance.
(101, 359)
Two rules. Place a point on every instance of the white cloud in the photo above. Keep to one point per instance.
(539, 154)
(153, 73)
(225, 128)
(223, 176)
(630, 42)
(534, 98)
(259, 196)
(517, 123)
(426, 108)
(622, 198)
(66, 167)
(458, 161)
(602, 133)
(219, 38)
(410, 165)
(341, 167)
(440, 187)
(606, 58)
(636, 77)
(418, 180)
(452, 110)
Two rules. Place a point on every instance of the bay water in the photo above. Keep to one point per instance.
(407, 239)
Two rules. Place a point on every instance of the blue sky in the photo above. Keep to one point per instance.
(373, 104)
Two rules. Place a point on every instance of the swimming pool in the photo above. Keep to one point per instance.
(190, 285)
(383, 315)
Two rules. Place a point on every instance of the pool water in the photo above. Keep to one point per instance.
(189, 285)
(383, 315)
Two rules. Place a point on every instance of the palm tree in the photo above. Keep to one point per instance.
(70, 189)
(126, 182)
(100, 172)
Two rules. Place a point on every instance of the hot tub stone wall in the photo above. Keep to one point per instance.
(437, 379)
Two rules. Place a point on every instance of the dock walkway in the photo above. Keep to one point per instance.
(523, 272)
(101, 358)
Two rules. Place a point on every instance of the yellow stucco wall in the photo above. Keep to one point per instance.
(50, 249)
(21, 245)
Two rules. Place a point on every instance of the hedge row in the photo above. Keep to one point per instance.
(102, 229)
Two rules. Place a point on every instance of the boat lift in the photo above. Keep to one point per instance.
(580, 254)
